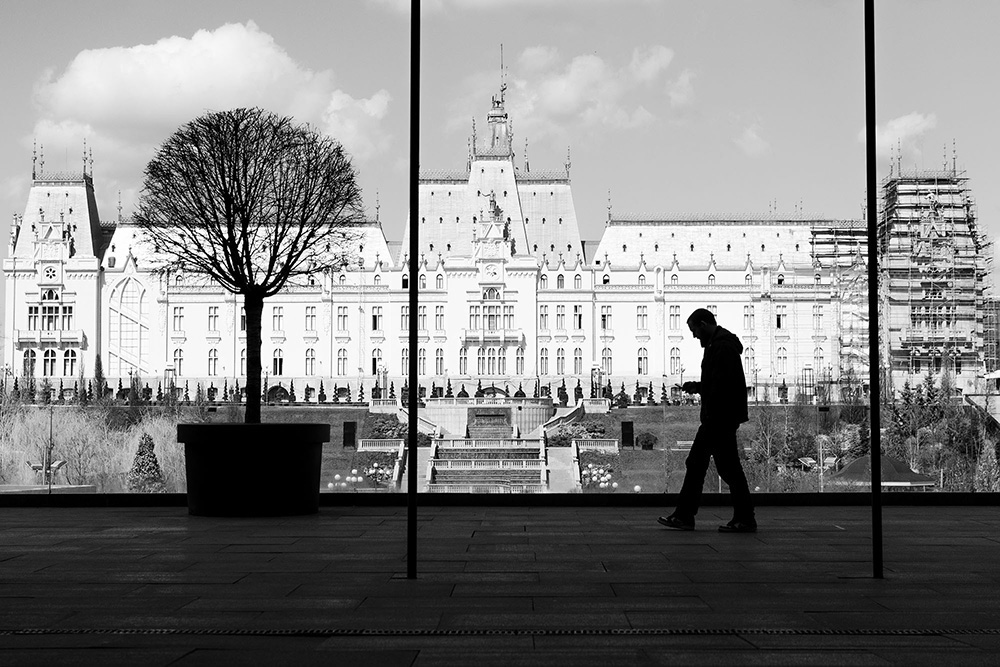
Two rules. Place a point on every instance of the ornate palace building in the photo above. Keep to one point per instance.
(510, 295)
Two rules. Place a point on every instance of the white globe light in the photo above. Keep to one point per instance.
(614, 485)
(343, 483)
(330, 485)
(637, 488)
(354, 471)
(604, 485)
(590, 465)
(337, 477)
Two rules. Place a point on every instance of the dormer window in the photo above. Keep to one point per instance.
(711, 279)
(606, 279)
(560, 281)
(406, 281)
(781, 279)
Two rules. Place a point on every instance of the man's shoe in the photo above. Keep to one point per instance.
(735, 526)
(675, 522)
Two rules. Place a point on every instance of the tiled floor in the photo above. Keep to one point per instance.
(510, 586)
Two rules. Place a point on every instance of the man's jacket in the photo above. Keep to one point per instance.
(723, 386)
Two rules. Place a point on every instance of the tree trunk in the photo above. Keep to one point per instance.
(254, 306)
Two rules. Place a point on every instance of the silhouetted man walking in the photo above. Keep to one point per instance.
(723, 391)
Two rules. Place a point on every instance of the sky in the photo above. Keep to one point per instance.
(716, 106)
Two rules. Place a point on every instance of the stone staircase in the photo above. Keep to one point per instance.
(477, 466)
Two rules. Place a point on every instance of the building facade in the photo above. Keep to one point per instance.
(511, 296)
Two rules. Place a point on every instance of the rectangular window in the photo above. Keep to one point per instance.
(213, 320)
(508, 317)
(341, 318)
(404, 318)
(560, 318)
(781, 317)
(439, 319)
(543, 318)
(422, 318)
(474, 318)
(50, 318)
(310, 318)
(714, 310)
(278, 320)
(641, 319)
(492, 317)
(748, 322)
(67, 318)
(818, 318)
(32, 318)
(376, 318)
(578, 318)
(605, 318)
(675, 318)
(243, 322)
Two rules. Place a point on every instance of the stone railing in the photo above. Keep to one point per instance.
(381, 445)
(489, 464)
(474, 443)
(594, 444)
(384, 405)
(597, 406)
(489, 400)
(487, 488)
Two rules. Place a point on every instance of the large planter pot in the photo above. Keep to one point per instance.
(253, 469)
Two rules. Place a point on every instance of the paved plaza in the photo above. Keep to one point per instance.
(497, 585)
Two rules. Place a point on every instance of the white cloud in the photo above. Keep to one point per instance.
(903, 132)
(751, 143)
(127, 100)
(647, 64)
(552, 96)
(680, 90)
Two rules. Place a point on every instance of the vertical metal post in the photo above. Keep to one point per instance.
(874, 366)
(413, 395)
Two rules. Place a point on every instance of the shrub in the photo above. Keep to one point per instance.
(145, 475)
(646, 440)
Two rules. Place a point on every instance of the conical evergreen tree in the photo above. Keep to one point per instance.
(291, 391)
(145, 475)
(322, 393)
(361, 392)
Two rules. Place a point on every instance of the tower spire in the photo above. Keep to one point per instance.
(34, 158)
(526, 167)
(503, 76)
(119, 205)
(41, 159)
(568, 162)
(85, 157)
(377, 205)
(609, 204)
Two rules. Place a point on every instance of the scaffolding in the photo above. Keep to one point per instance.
(934, 273)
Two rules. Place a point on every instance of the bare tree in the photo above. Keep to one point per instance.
(251, 201)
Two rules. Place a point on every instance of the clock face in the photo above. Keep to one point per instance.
(491, 271)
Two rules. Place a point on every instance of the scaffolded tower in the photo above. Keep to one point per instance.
(934, 269)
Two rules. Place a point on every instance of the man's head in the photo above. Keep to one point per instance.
(702, 325)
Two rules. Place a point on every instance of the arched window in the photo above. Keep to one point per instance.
(50, 295)
(519, 361)
(492, 294)
(782, 361)
(278, 363)
(560, 361)
(606, 361)
(543, 361)
(406, 281)
(673, 279)
(49, 363)
(343, 279)
(30, 358)
(748, 279)
(423, 281)
(543, 282)
(781, 279)
(421, 361)
(404, 359)
(578, 361)
(178, 362)
(377, 279)
(481, 361)
(439, 361)
(213, 362)
(560, 281)
(642, 278)
(243, 361)
(675, 361)
(643, 358)
(748, 362)
(711, 279)
(342, 362)
(310, 361)
(376, 360)
(128, 328)
(577, 281)
(463, 361)
(439, 281)
(818, 359)
(606, 279)
(69, 363)
(491, 361)
(502, 361)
